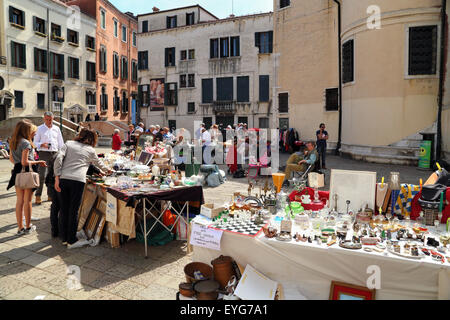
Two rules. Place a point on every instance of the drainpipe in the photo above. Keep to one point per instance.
(338, 146)
(48, 62)
(441, 81)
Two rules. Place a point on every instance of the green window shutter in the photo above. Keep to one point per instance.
(11, 10)
(24, 55)
(257, 39)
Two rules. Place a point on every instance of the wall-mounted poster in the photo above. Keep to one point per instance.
(157, 95)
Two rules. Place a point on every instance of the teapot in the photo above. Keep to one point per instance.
(306, 199)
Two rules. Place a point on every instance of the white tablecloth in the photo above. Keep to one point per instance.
(306, 270)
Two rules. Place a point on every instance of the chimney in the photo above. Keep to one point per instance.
(155, 9)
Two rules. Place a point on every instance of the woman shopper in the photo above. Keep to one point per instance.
(116, 141)
(70, 169)
(22, 156)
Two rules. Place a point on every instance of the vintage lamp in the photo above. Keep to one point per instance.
(316, 181)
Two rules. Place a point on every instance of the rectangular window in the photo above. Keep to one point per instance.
(170, 57)
(115, 65)
(224, 89)
(348, 62)
(264, 123)
(170, 94)
(285, 3)
(134, 70)
(143, 60)
(235, 47)
(134, 42)
(190, 18)
(116, 101)
(264, 41)
(124, 68)
(72, 36)
(423, 50)
(90, 42)
(124, 34)
(18, 99)
(39, 25)
(183, 55)
(40, 60)
(207, 91)
(243, 89)
(264, 88)
(90, 71)
(182, 81)
(191, 80)
(191, 107)
(103, 19)
(144, 26)
(116, 28)
(57, 66)
(74, 68)
(124, 102)
(214, 48)
(283, 102)
(90, 98)
(224, 47)
(102, 57)
(18, 55)
(171, 22)
(332, 99)
(17, 17)
(103, 100)
(56, 33)
(41, 101)
(191, 55)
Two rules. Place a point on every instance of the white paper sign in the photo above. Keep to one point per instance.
(111, 208)
(205, 237)
(255, 286)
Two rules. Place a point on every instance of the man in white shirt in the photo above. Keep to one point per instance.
(140, 128)
(206, 141)
(48, 141)
(157, 127)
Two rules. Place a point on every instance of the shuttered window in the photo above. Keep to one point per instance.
(224, 89)
(169, 57)
(422, 50)
(190, 18)
(124, 68)
(16, 16)
(235, 50)
(143, 60)
(170, 94)
(214, 48)
(144, 26)
(332, 99)
(207, 91)
(243, 89)
(283, 102)
(264, 88)
(74, 68)
(90, 71)
(18, 55)
(348, 61)
(90, 42)
(40, 60)
(72, 36)
(41, 101)
(39, 25)
(171, 22)
(134, 70)
(115, 65)
(264, 41)
(57, 66)
(18, 98)
(103, 61)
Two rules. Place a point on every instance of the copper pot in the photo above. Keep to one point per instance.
(206, 290)
(223, 270)
(186, 289)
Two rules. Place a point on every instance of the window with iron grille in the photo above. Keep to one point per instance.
(171, 22)
(285, 3)
(182, 81)
(90, 42)
(190, 18)
(423, 50)
(191, 107)
(124, 68)
(170, 57)
(332, 99)
(16, 16)
(39, 25)
(90, 71)
(191, 80)
(115, 65)
(214, 48)
(72, 36)
(41, 101)
(74, 68)
(143, 60)
(191, 55)
(18, 55)
(134, 70)
(18, 99)
(183, 55)
(283, 102)
(102, 59)
(40, 60)
(264, 41)
(348, 61)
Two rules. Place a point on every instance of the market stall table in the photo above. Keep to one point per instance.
(306, 270)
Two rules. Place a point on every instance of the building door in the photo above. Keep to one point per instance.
(223, 122)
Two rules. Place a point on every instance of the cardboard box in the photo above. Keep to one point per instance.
(112, 236)
(209, 211)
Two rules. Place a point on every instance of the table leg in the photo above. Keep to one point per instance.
(144, 213)
(189, 247)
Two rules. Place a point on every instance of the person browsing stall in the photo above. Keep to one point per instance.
(322, 137)
(116, 141)
(70, 170)
(48, 141)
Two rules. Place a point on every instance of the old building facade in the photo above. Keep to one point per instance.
(116, 65)
(196, 67)
(44, 42)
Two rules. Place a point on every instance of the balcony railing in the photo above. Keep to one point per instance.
(224, 106)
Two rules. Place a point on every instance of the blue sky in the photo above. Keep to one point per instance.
(220, 8)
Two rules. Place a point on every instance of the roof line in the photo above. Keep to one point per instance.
(168, 10)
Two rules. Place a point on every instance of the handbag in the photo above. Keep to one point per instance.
(27, 180)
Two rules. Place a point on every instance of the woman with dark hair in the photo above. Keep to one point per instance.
(70, 170)
(22, 156)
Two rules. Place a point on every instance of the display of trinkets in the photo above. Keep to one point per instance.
(350, 245)
(407, 250)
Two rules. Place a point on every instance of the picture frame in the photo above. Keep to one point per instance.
(346, 291)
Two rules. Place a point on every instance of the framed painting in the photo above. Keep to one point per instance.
(345, 291)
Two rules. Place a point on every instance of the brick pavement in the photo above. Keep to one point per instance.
(36, 265)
